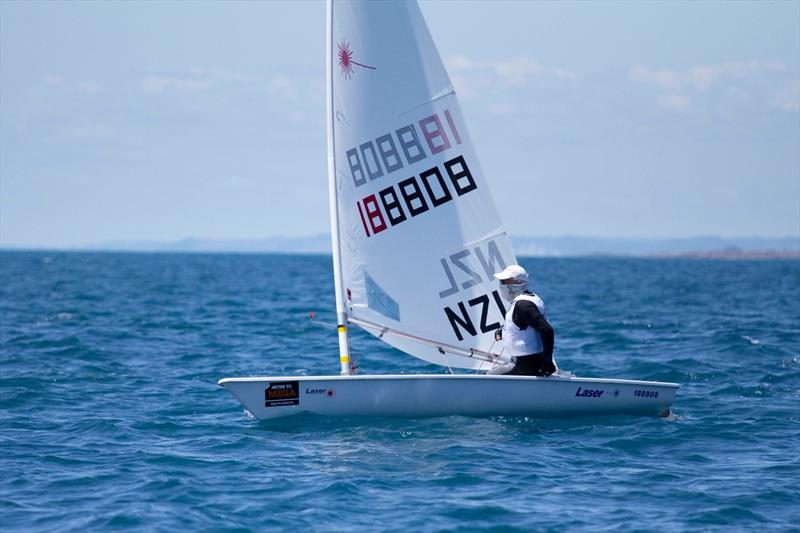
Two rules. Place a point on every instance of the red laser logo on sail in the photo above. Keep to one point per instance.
(346, 60)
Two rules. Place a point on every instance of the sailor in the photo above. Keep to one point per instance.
(526, 334)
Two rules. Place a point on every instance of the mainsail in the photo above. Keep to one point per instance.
(417, 231)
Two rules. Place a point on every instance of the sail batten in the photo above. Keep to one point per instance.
(433, 99)
(418, 233)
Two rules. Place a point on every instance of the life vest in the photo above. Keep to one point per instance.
(526, 341)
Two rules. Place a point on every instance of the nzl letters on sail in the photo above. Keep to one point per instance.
(465, 269)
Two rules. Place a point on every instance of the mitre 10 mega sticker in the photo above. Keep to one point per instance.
(280, 393)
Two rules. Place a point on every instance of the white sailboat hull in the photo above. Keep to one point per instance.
(430, 395)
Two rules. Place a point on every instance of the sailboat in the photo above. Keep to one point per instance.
(416, 239)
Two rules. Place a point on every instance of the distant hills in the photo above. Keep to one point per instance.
(704, 246)
(320, 244)
(566, 246)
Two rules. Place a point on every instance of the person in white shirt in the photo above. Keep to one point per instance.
(527, 335)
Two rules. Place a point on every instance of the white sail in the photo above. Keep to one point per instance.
(418, 232)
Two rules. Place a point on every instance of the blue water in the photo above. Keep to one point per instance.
(112, 419)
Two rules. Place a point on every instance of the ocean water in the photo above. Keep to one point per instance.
(112, 419)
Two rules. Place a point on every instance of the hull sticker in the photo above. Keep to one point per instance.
(282, 393)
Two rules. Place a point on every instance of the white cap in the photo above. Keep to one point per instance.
(513, 272)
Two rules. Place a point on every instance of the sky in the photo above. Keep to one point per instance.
(165, 120)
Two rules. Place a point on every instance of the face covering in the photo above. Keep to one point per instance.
(511, 291)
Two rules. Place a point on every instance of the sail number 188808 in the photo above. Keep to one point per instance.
(387, 207)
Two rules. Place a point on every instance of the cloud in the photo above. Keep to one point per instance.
(733, 83)
(55, 82)
(159, 84)
(664, 79)
(194, 80)
(52, 79)
(282, 85)
(84, 130)
(293, 89)
(501, 108)
(518, 71)
(233, 182)
(89, 88)
(702, 77)
(675, 102)
(291, 95)
(514, 72)
(787, 97)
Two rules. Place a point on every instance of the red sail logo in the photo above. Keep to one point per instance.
(346, 60)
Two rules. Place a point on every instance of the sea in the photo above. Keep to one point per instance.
(112, 418)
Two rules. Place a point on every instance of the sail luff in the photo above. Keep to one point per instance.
(341, 317)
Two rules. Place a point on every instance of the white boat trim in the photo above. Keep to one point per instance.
(371, 377)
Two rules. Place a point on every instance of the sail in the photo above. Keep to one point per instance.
(419, 236)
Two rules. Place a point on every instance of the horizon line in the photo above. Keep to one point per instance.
(326, 236)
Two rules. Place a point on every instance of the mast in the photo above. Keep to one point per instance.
(341, 317)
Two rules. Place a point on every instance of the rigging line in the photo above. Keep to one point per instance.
(319, 322)
(324, 324)
(497, 232)
(495, 363)
(447, 360)
(469, 353)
